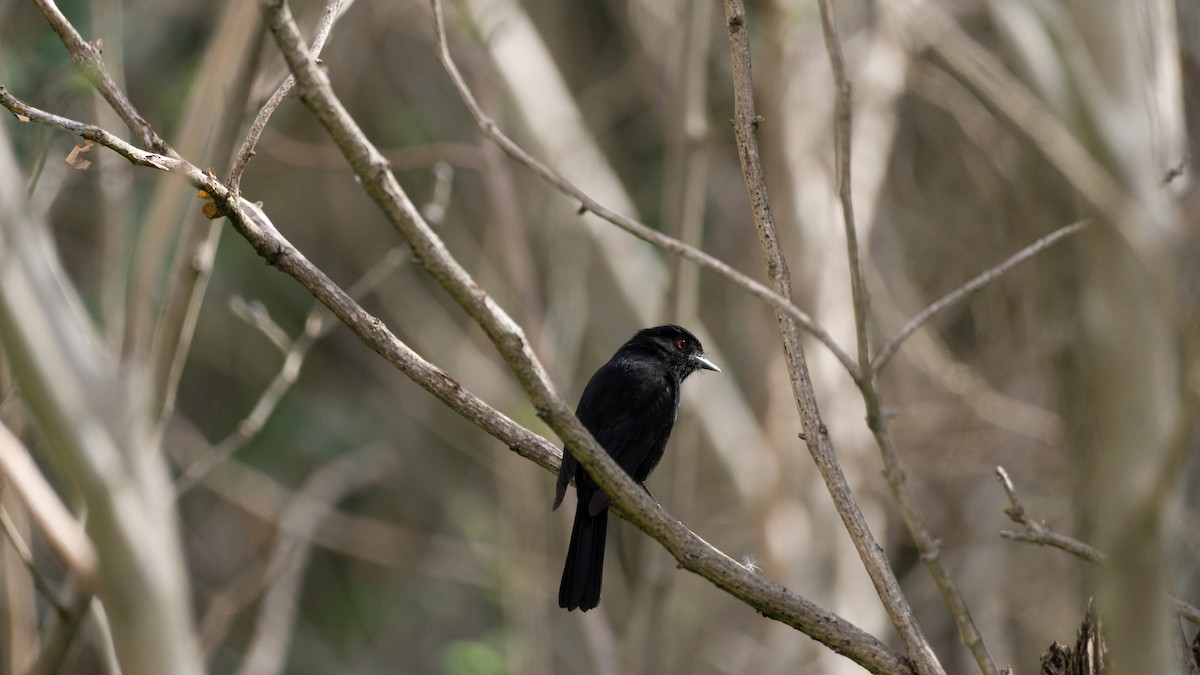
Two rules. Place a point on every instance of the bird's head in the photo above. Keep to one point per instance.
(677, 346)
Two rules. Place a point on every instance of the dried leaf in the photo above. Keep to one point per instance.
(76, 160)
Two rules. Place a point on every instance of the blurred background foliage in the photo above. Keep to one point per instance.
(448, 560)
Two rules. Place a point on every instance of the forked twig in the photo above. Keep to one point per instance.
(333, 11)
(27, 113)
(86, 56)
(961, 293)
(1036, 532)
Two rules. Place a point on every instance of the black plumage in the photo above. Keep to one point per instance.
(629, 406)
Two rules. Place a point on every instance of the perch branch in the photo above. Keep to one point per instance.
(430, 252)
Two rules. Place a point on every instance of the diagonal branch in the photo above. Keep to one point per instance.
(27, 113)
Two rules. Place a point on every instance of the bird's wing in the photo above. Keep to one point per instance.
(630, 406)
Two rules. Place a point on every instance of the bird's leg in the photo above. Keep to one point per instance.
(650, 495)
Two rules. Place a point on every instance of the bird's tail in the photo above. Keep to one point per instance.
(580, 586)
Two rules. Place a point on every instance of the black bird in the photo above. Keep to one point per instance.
(629, 406)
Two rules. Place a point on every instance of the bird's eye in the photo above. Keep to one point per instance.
(681, 345)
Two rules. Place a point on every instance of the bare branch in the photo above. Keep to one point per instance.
(1039, 533)
(691, 552)
(963, 292)
(254, 225)
(927, 544)
(745, 126)
(316, 326)
(27, 113)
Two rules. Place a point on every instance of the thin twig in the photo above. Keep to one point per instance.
(334, 10)
(926, 543)
(745, 126)
(961, 293)
(1036, 532)
(842, 131)
(258, 316)
(1040, 533)
(27, 113)
(492, 131)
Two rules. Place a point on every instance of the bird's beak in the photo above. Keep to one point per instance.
(705, 363)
